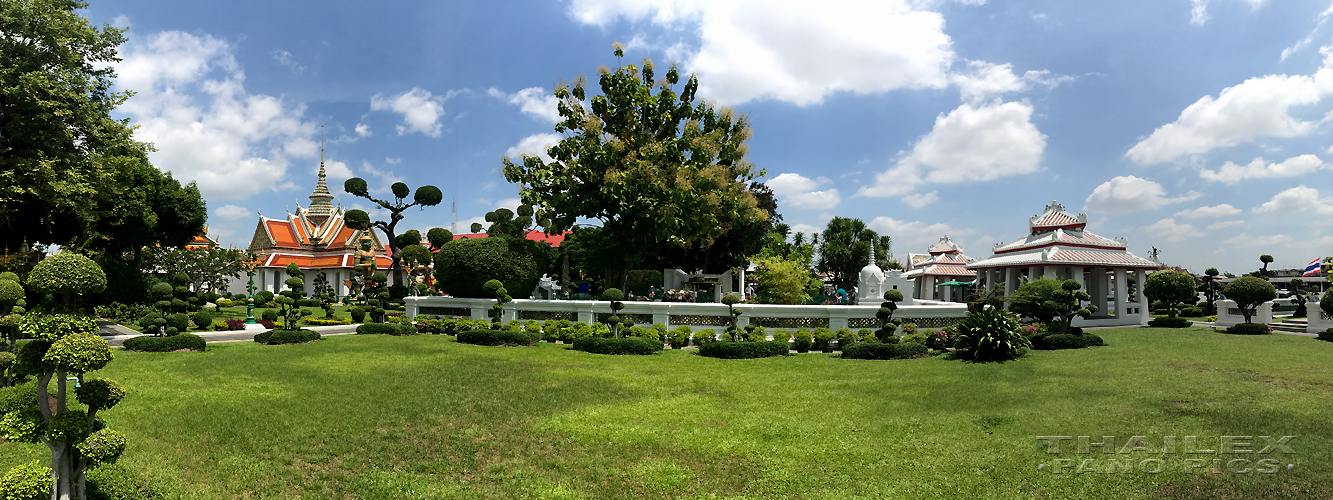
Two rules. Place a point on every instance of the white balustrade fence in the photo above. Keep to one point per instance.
(1228, 314)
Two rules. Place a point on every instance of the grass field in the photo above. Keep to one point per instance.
(376, 417)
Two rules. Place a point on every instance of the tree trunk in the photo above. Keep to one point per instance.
(564, 271)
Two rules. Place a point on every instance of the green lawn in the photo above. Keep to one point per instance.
(376, 417)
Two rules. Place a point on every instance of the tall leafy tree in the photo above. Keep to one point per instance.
(654, 167)
(1171, 287)
(845, 249)
(55, 102)
(424, 196)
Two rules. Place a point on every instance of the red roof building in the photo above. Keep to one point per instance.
(1058, 246)
(946, 263)
(315, 239)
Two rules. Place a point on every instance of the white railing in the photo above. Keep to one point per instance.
(1228, 314)
(699, 316)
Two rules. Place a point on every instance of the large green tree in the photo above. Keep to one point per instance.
(845, 249)
(1170, 287)
(654, 167)
(55, 102)
(424, 196)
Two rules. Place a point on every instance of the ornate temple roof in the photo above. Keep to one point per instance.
(314, 237)
(946, 259)
(1057, 237)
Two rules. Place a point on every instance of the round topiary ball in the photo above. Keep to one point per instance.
(8, 276)
(31, 481)
(103, 447)
(10, 292)
(99, 393)
(67, 274)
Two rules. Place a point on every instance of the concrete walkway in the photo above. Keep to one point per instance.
(116, 334)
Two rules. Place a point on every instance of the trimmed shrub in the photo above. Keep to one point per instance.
(309, 303)
(823, 339)
(918, 338)
(386, 329)
(235, 324)
(743, 350)
(179, 321)
(496, 337)
(327, 321)
(1192, 311)
(680, 336)
(1176, 322)
(876, 350)
(802, 340)
(166, 344)
(275, 337)
(1326, 335)
(624, 345)
(31, 481)
(269, 315)
(113, 482)
(1054, 341)
(358, 314)
(202, 320)
(781, 336)
(1250, 329)
(463, 266)
(704, 336)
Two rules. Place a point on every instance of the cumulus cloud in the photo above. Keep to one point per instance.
(1173, 231)
(190, 102)
(363, 130)
(1296, 200)
(1226, 223)
(1296, 166)
(535, 101)
(798, 52)
(1256, 108)
(986, 80)
(231, 212)
(533, 145)
(1128, 193)
(806, 229)
(915, 234)
(421, 110)
(801, 191)
(921, 200)
(971, 143)
(1222, 210)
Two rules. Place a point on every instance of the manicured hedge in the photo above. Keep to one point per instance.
(1055, 341)
(275, 337)
(1176, 322)
(166, 344)
(743, 350)
(626, 345)
(496, 337)
(875, 350)
(1326, 335)
(386, 329)
(1250, 329)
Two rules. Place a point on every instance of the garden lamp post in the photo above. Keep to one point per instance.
(250, 263)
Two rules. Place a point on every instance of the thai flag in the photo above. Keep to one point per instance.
(1312, 269)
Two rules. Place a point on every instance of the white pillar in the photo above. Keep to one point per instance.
(1141, 277)
(1032, 273)
(1076, 273)
(1121, 294)
(1050, 272)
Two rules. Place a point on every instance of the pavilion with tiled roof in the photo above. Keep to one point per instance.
(315, 239)
(946, 263)
(1058, 246)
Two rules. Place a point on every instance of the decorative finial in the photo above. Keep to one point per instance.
(872, 254)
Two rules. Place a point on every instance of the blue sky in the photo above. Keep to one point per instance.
(1201, 127)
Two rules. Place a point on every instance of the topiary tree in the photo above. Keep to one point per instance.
(63, 345)
(287, 300)
(1263, 271)
(615, 296)
(1297, 289)
(731, 300)
(67, 274)
(1171, 287)
(463, 266)
(324, 292)
(424, 196)
(1249, 292)
(497, 290)
(1030, 299)
(1209, 286)
(1067, 303)
(885, 315)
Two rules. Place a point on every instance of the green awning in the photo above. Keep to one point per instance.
(957, 283)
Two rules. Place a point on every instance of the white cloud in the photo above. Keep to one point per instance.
(969, 144)
(535, 101)
(363, 130)
(231, 212)
(1222, 210)
(1199, 12)
(1305, 42)
(1245, 240)
(921, 200)
(386, 178)
(807, 229)
(421, 110)
(1127, 194)
(393, 161)
(1295, 166)
(121, 21)
(798, 52)
(987, 80)
(190, 102)
(1295, 200)
(533, 145)
(1256, 108)
(800, 191)
(336, 171)
(1174, 231)
(909, 236)
(285, 58)
(1225, 223)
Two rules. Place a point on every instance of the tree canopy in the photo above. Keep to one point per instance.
(1171, 287)
(845, 249)
(1248, 292)
(655, 169)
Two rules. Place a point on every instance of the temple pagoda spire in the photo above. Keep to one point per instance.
(320, 206)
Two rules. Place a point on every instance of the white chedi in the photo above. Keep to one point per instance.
(874, 282)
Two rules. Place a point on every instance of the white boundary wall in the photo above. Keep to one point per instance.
(698, 316)
(1320, 321)
(1228, 315)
